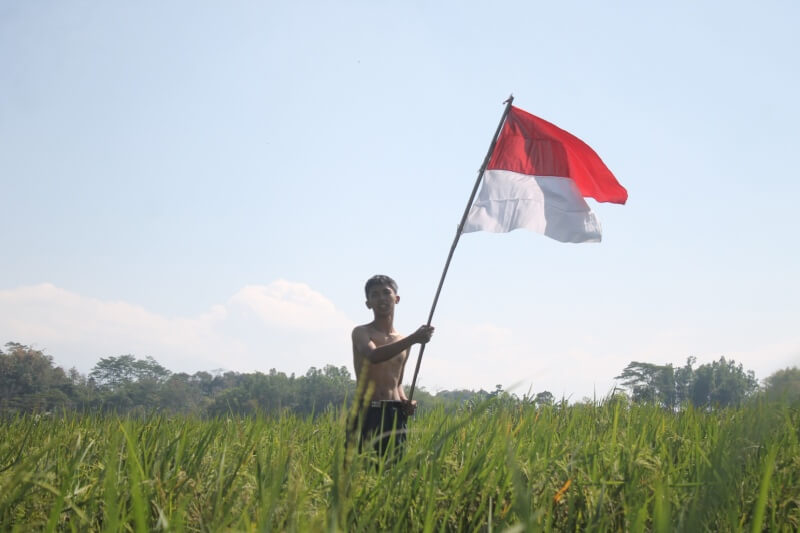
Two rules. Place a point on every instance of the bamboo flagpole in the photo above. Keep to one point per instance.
(458, 235)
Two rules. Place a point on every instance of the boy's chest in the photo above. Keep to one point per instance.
(381, 339)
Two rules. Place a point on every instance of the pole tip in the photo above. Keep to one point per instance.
(510, 99)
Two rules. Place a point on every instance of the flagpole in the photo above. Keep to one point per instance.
(508, 103)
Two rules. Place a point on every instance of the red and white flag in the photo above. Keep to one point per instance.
(537, 178)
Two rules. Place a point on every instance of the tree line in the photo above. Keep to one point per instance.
(719, 383)
(31, 382)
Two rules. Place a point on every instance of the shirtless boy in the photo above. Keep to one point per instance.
(379, 357)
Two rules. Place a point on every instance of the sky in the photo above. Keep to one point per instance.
(211, 184)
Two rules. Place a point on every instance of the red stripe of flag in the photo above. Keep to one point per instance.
(530, 145)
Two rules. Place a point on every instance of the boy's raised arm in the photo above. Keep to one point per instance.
(367, 348)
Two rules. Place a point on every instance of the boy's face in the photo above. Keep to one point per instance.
(382, 299)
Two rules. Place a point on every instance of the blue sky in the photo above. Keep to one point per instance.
(212, 184)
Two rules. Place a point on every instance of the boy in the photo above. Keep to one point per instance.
(379, 357)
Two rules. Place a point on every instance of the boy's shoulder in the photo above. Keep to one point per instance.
(363, 328)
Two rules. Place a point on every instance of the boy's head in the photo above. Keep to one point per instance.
(381, 295)
(380, 280)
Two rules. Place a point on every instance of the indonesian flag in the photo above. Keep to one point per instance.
(537, 178)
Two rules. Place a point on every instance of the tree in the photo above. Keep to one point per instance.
(650, 383)
(701, 385)
(544, 398)
(718, 384)
(149, 369)
(722, 383)
(115, 372)
(783, 385)
(683, 380)
(30, 382)
(460, 397)
(665, 386)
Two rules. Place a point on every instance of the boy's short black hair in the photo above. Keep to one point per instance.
(380, 279)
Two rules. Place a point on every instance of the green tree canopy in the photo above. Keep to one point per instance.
(650, 383)
(721, 383)
(784, 385)
(30, 382)
(114, 372)
(544, 398)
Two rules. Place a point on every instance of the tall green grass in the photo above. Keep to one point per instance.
(495, 467)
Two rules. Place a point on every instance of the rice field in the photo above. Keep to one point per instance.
(497, 466)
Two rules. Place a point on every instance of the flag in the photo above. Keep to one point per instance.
(537, 178)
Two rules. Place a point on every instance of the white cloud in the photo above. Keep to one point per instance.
(284, 325)
(291, 305)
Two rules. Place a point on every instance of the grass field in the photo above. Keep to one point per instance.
(494, 467)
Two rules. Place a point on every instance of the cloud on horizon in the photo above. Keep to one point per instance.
(283, 325)
(290, 327)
